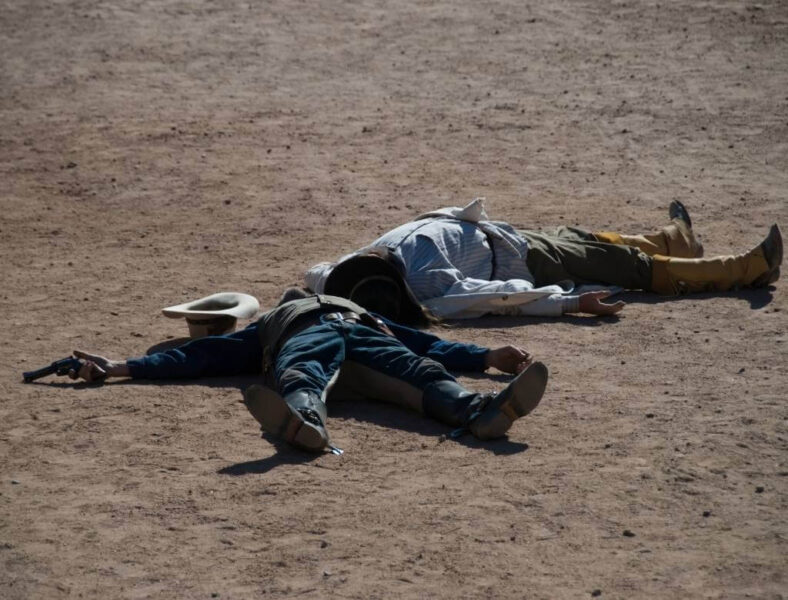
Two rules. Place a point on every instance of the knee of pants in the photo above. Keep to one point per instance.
(429, 371)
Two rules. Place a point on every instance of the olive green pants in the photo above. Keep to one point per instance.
(575, 254)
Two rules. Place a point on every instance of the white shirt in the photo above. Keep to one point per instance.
(449, 267)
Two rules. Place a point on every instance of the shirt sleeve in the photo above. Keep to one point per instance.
(550, 305)
(238, 353)
(455, 356)
(315, 277)
(469, 298)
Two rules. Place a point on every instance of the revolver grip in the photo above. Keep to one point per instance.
(66, 364)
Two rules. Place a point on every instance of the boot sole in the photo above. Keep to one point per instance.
(520, 398)
(694, 247)
(280, 420)
(677, 210)
(775, 243)
(772, 249)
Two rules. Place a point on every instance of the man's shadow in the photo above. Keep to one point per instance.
(240, 382)
(505, 322)
(379, 413)
(384, 415)
(285, 455)
(757, 299)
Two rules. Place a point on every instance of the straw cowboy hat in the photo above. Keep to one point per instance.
(216, 314)
(373, 278)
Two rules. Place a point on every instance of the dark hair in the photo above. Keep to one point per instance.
(293, 293)
(378, 294)
(374, 278)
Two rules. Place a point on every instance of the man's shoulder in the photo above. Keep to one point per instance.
(399, 234)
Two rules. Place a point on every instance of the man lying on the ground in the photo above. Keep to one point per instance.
(458, 264)
(310, 347)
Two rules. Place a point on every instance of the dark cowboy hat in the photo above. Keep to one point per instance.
(373, 278)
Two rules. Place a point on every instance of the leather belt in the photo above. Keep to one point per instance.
(310, 320)
(352, 317)
(341, 316)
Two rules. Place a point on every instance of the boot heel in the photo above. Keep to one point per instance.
(310, 437)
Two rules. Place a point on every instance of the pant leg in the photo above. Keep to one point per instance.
(307, 361)
(383, 369)
(393, 373)
(387, 355)
(575, 234)
(574, 254)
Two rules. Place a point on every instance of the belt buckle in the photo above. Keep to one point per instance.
(333, 316)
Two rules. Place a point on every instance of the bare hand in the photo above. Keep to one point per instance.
(96, 368)
(508, 359)
(591, 303)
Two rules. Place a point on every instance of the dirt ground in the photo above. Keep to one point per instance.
(153, 152)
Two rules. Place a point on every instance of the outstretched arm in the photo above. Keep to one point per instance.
(237, 353)
(459, 356)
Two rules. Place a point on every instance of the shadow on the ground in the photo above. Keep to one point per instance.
(757, 298)
(285, 455)
(501, 379)
(383, 415)
(396, 417)
(504, 322)
(369, 411)
(240, 382)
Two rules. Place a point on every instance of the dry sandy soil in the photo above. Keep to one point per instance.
(157, 151)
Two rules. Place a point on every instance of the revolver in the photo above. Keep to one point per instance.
(59, 367)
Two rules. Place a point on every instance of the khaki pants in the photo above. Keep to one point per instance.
(575, 254)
